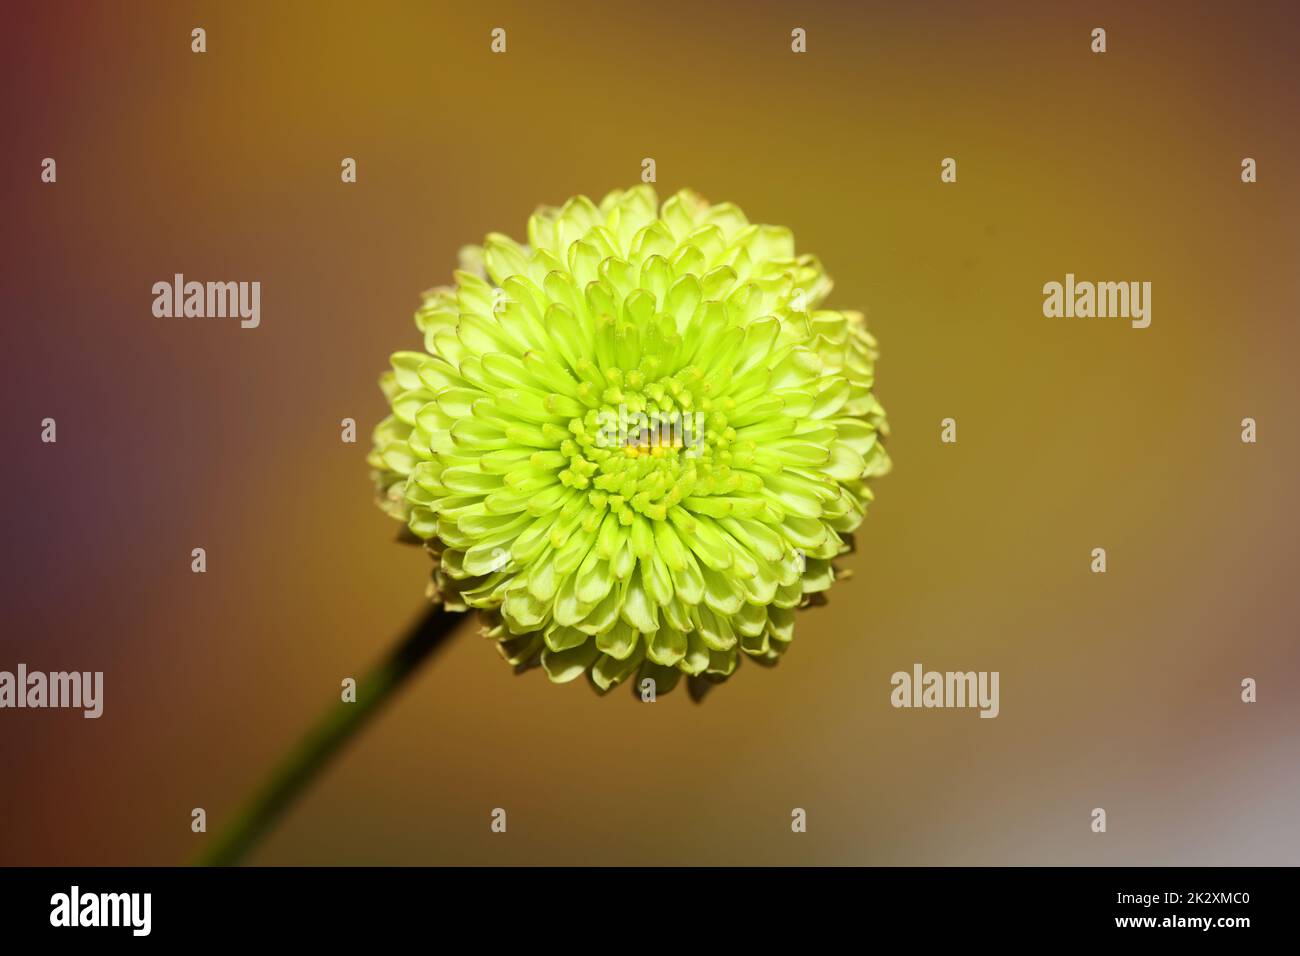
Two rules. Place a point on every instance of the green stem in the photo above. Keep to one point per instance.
(339, 725)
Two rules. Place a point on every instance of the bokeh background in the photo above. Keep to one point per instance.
(1118, 690)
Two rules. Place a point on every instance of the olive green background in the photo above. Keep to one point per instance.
(1118, 691)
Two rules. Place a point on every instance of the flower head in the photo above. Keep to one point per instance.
(635, 443)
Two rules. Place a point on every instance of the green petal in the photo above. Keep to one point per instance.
(564, 666)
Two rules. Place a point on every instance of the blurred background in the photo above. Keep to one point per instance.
(1119, 691)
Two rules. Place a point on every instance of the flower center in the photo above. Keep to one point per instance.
(649, 445)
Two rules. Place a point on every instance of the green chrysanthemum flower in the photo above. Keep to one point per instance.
(635, 443)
